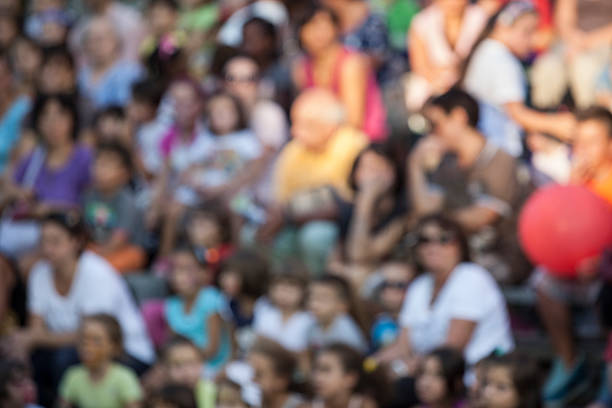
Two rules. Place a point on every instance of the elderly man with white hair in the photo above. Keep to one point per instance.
(105, 79)
(311, 172)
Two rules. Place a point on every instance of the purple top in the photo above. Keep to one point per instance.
(62, 186)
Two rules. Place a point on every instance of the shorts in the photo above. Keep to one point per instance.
(572, 292)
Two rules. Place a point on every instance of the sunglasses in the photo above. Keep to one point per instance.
(232, 78)
(443, 239)
(394, 285)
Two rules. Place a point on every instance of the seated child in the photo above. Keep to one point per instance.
(440, 380)
(98, 381)
(110, 213)
(172, 396)
(330, 302)
(17, 390)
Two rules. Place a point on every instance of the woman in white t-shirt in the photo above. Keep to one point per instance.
(494, 75)
(67, 285)
(454, 302)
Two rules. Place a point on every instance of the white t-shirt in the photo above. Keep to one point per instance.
(97, 288)
(292, 334)
(470, 293)
(495, 77)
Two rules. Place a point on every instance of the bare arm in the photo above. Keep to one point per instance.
(560, 125)
(419, 60)
(398, 350)
(40, 336)
(459, 333)
(424, 200)
(565, 18)
(214, 325)
(475, 217)
(353, 86)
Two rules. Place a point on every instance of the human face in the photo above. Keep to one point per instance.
(437, 249)
(55, 123)
(319, 33)
(57, 245)
(374, 168)
(109, 173)
(57, 76)
(397, 277)
(269, 382)
(592, 145)
(241, 79)
(162, 19)
(230, 283)
(101, 43)
(28, 59)
(140, 112)
(20, 390)
(447, 127)
(204, 231)
(308, 129)
(95, 345)
(184, 365)
(330, 379)
(187, 275)
(187, 104)
(255, 42)
(287, 295)
(324, 303)
(431, 385)
(229, 397)
(499, 391)
(6, 77)
(222, 115)
(520, 36)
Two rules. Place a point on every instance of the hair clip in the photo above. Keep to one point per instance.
(370, 365)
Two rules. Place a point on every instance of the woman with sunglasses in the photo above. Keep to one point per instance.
(453, 302)
(69, 283)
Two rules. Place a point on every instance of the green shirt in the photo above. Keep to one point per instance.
(200, 19)
(118, 388)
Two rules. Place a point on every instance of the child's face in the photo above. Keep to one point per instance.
(57, 76)
(110, 127)
(109, 173)
(95, 345)
(204, 231)
(162, 19)
(255, 42)
(28, 59)
(231, 283)
(499, 391)
(431, 385)
(184, 365)
(329, 377)
(222, 115)
(140, 112)
(229, 397)
(187, 274)
(187, 104)
(269, 382)
(324, 303)
(286, 295)
(397, 277)
(8, 30)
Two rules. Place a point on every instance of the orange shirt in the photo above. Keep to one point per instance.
(602, 187)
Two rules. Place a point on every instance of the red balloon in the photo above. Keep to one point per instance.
(560, 226)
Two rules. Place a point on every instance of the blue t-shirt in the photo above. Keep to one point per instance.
(194, 325)
(114, 88)
(10, 127)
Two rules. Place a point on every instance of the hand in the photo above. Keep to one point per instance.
(274, 222)
(375, 185)
(576, 43)
(19, 344)
(427, 154)
(539, 143)
(565, 123)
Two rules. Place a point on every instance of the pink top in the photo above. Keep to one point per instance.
(429, 24)
(375, 114)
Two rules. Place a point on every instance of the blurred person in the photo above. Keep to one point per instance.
(48, 22)
(274, 373)
(14, 107)
(98, 380)
(310, 170)
(27, 59)
(274, 11)
(453, 303)
(67, 284)
(110, 214)
(128, 21)
(111, 125)
(260, 41)
(17, 390)
(9, 28)
(58, 72)
(349, 77)
(495, 77)
(439, 383)
(456, 169)
(163, 18)
(441, 38)
(335, 310)
(511, 381)
(105, 79)
(230, 395)
(282, 316)
(578, 58)
(172, 396)
(199, 20)
(341, 378)
(592, 167)
(52, 177)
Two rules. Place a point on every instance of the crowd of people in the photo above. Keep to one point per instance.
(292, 204)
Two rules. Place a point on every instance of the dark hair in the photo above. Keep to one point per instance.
(525, 377)
(69, 221)
(283, 361)
(176, 341)
(112, 327)
(458, 98)
(451, 226)
(10, 371)
(67, 103)
(308, 13)
(242, 119)
(113, 111)
(59, 52)
(391, 150)
(148, 91)
(253, 270)
(598, 114)
(453, 368)
(171, 4)
(269, 30)
(119, 151)
(372, 379)
(179, 396)
(219, 212)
